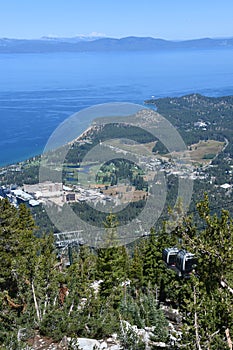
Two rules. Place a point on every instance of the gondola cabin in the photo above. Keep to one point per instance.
(180, 261)
(185, 263)
(169, 256)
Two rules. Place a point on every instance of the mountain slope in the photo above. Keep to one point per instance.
(107, 44)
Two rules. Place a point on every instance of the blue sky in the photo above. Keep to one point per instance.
(168, 19)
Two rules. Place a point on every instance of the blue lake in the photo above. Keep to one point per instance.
(39, 91)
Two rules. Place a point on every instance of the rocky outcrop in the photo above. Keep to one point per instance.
(42, 343)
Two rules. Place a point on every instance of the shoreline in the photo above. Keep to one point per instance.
(147, 102)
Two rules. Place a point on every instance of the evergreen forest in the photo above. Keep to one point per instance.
(113, 288)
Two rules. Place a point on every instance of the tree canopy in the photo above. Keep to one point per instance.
(102, 287)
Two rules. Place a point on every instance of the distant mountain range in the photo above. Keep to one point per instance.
(88, 44)
(74, 39)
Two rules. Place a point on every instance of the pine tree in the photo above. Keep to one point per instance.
(46, 278)
(151, 256)
(153, 266)
(112, 260)
(9, 237)
(207, 296)
(136, 268)
(81, 274)
(28, 279)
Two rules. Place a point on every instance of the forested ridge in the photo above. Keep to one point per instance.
(40, 295)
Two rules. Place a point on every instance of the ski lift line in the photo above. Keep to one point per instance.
(61, 236)
(67, 232)
(136, 236)
(64, 239)
(144, 235)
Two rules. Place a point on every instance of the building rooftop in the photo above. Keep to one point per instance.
(21, 194)
(33, 202)
(225, 186)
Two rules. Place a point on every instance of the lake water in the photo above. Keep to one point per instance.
(38, 91)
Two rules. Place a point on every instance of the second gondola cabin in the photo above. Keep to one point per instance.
(185, 263)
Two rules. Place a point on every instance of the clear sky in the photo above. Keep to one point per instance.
(168, 19)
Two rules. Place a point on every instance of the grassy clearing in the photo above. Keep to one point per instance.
(144, 149)
(202, 152)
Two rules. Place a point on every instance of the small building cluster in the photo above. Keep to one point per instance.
(56, 193)
(17, 196)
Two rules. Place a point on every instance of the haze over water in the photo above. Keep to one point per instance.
(38, 91)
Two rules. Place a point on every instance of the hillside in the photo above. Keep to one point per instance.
(121, 298)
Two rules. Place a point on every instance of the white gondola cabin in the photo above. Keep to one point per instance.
(169, 256)
(181, 261)
(185, 263)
